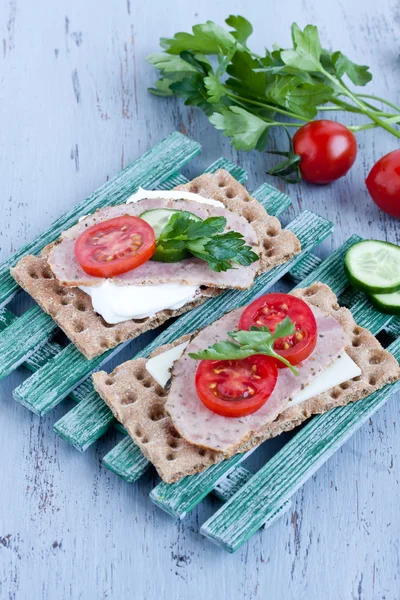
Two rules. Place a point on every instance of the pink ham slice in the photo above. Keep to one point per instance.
(198, 425)
(191, 271)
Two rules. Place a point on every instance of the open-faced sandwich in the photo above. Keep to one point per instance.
(256, 372)
(128, 268)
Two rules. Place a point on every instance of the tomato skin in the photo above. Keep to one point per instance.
(236, 388)
(383, 183)
(115, 246)
(327, 150)
(270, 310)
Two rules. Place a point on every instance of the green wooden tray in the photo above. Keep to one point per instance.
(251, 500)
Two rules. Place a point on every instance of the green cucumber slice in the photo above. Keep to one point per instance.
(158, 218)
(387, 303)
(374, 266)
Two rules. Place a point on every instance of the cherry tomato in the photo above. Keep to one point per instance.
(270, 310)
(383, 183)
(327, 150)
(115, 246)
(236, 388)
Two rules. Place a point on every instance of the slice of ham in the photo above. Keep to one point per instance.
(191, 271)
(198, 425)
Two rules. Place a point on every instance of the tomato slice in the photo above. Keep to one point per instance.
(115, 246)
(236, 388)
(270, 310)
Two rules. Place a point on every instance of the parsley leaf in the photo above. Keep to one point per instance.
(299, 97)
(242, 27)
(247, 130)
(306, 51)
(259, 340)
(209, 38)
(205, 240)
(358, 74)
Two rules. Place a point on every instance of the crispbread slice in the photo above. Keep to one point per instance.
(72, 309)
(137, 401)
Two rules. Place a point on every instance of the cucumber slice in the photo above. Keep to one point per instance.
(158, 218)
(387, 303)
(374, 266)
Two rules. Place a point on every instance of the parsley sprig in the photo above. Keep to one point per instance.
(259, 340)
(245, 94)
(205, 240)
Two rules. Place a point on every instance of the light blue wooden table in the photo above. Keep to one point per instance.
(74, 110)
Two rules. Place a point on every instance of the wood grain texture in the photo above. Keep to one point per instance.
(74, 112)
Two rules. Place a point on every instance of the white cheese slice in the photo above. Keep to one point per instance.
(160, 366)
(341, 370)
(142, 194)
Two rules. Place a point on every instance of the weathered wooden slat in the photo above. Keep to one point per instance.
(47, 387)
(126, 460)
(223, 163)
(42, 355)
(229, 485)
(41, 392)
(274, 201)
(23, 337)
(304, 267)
(393, 327)
(86, 422)
(160, 162)
(310, 229)
(178, 499)
(289, 469)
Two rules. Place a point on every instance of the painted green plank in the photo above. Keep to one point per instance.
(231, 483)
(393, 327)
(42, 355)
(304, 267)
(126, 460)
(311, 230)
(331, 270)
(274, 201)
(85, 423)
(47, 387)
(177, 499)
(41, 392)
(289, 469)
(23, 337)
(6, 318)
(223, 163)
(181, 497)
(166, 158)
(366, 315)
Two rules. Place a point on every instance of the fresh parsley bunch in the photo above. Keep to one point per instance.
(245, 94)
(205, 240)
(259, 340)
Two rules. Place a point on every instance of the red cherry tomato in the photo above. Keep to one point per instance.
(270, 310)
(236, 388)
(383, 183)
(115, 246)
(327, 150)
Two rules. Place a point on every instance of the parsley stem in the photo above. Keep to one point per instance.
(345, 106)
(268, 106)
(394, 106)
(364, 108)
(395, 119)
